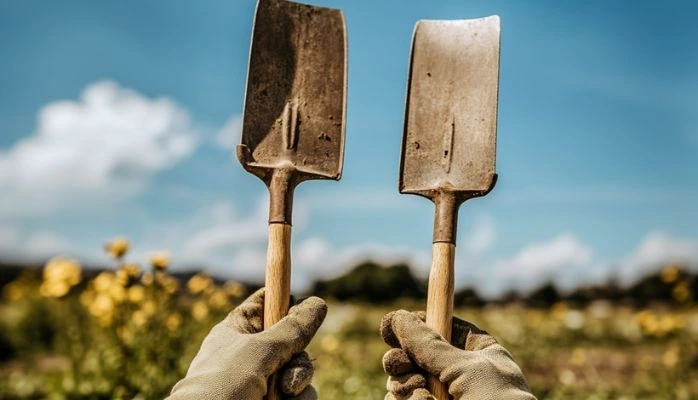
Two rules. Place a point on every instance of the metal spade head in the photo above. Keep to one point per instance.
(451, 116)
(296, 94)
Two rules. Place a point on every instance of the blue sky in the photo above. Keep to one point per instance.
(118, 119)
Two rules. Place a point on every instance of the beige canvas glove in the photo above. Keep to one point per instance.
(237, 357)
(474, 366)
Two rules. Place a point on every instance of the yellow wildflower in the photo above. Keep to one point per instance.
(60, 274)
(670, 274)
(681, 292)
(139, 318)
(234, 289)
(104, 281)
(169, 283)
(199, 283)
(218, 299)
(136, 294)
(199, 310)
(160, 261)
(149, 307)
(117, 248)
(117, 293)
(128, 274)
(147, 279)
(102, 307)
(173, 322)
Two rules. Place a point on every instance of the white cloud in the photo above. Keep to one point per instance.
(535, 263)
(229, 136)
(655, 251)
(481, 238)
(104, 145)
(17, 245)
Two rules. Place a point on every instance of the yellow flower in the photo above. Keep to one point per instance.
(169, 283)
(149, 307)
(147, 279)
(199, 310)
(104, 281)
(670, 274)
(681, 292)
(54, 289)
(173, 322)
(160, 261)
(139, 318)
(102, 307)
(60, 275)
(128, 274)
(117, 248)
(199, 283)
(234, 289)
(136, 294)
(218, 299)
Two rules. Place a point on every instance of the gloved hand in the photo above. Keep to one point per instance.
(237, 357)
(475, 366)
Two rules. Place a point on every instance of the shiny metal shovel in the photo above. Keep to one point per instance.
(449, 142)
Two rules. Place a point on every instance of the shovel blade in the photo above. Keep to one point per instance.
(450, 131)
(296, 92)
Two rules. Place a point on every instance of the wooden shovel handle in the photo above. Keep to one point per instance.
(277, 285)
(440, 302)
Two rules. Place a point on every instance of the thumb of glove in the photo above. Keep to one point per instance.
(423, 345)
(292, 333)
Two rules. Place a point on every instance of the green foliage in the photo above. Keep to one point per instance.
(372, 283)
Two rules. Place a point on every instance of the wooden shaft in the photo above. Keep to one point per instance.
(277, 285)
(440, 302)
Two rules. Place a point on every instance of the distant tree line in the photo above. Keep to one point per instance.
(375, 283)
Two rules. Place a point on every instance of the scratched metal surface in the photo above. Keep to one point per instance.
(296, 92)
(449, 141)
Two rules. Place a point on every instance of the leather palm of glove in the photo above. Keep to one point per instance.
(236, 358)
(474, 365)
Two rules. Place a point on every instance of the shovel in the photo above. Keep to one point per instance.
(448, 147)
(293, 124)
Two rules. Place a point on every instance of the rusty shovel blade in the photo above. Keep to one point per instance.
(449, 142)
(293, 124)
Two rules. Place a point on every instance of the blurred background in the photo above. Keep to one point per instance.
(127, 227)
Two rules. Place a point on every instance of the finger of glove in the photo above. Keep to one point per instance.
(293, 332)
(422, 344)
(296, 374)
(248, 317)
(419, 394)
(397, 362)
(461, 333)
(404, 385)
(308, 394)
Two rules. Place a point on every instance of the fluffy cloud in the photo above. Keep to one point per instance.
(656, 250)
(535, 263)
(104, 145)
(482, 237)
(229, 136)
(32, 246)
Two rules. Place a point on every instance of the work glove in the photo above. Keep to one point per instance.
(473, 366)
(236, 358)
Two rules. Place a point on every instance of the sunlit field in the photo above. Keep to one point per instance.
(131, 333)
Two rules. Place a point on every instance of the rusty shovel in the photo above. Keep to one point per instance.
(293, 123)
(449, 142)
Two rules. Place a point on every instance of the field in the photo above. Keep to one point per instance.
(131, 333)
